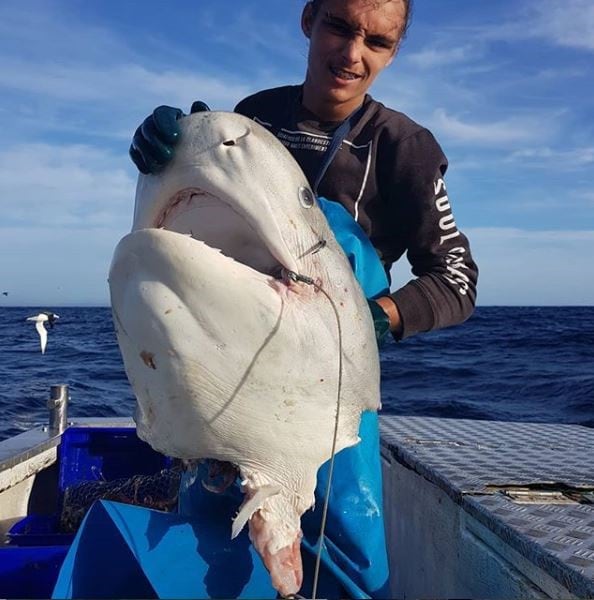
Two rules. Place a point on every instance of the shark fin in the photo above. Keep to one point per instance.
(251, 506)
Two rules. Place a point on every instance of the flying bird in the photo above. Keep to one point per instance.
(40, 320)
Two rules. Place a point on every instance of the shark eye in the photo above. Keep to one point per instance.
(306, 197)
(229, 143)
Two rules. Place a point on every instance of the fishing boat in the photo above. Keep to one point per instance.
(473, 509)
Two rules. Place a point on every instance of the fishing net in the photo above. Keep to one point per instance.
(158, 491)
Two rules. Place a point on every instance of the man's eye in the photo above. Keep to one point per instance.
(380, 44)
(338, 29)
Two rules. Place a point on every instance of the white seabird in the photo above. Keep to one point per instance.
(40, 320)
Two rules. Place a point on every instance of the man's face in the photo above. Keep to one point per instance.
(351, 41)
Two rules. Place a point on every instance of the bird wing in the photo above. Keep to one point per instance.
(42, 335)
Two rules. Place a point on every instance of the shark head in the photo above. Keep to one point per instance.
(230, 358)
(235, 188)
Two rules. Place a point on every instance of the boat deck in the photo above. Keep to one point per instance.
(530, 485)
(473, 508)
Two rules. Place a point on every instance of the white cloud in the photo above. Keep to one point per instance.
(60, 74)
(72, 83)
(405, 89)
(65, 186)
(568, 23)
(54, 266)
(243, 33)
(430, 58)
(44, 29)
(523, 267)
(494, 133)
(555, 75)
(587, 196)
(547, 158)
(65, 78)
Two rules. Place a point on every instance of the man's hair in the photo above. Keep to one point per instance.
(316, 4)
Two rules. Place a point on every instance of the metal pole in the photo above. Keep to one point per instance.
(58, 409)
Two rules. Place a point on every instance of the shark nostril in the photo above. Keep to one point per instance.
(229, 143)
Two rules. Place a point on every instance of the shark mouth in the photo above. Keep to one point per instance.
(207, 218)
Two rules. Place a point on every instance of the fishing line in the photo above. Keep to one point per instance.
(314, 249)
(309, 281)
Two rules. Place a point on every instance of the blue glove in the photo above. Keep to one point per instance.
(154, 141)
(381, 322)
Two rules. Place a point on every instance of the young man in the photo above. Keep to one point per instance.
(389, 170)
(388, 174)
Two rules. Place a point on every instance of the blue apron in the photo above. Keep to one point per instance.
(354, 540)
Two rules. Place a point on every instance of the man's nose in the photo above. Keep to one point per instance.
(353, 49)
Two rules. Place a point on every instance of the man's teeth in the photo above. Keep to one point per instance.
(344, 74)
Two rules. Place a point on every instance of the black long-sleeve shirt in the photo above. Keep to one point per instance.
(389, 175)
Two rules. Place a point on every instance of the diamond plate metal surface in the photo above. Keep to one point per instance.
(464, 457)
(558, 538)
(473, 454)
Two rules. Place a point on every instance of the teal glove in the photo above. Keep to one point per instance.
(381, 322)
(154, 141)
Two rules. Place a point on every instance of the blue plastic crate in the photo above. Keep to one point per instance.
(88, 454)
(29, 572)
(105, 454)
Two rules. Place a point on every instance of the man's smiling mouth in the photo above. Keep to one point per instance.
(344, 74)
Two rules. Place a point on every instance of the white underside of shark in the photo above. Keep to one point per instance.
(230, 359)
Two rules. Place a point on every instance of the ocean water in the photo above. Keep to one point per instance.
(531, 364)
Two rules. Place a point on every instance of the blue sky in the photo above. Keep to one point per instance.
(506, 87)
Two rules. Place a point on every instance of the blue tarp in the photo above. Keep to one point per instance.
(124, 551)
(368, 269)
